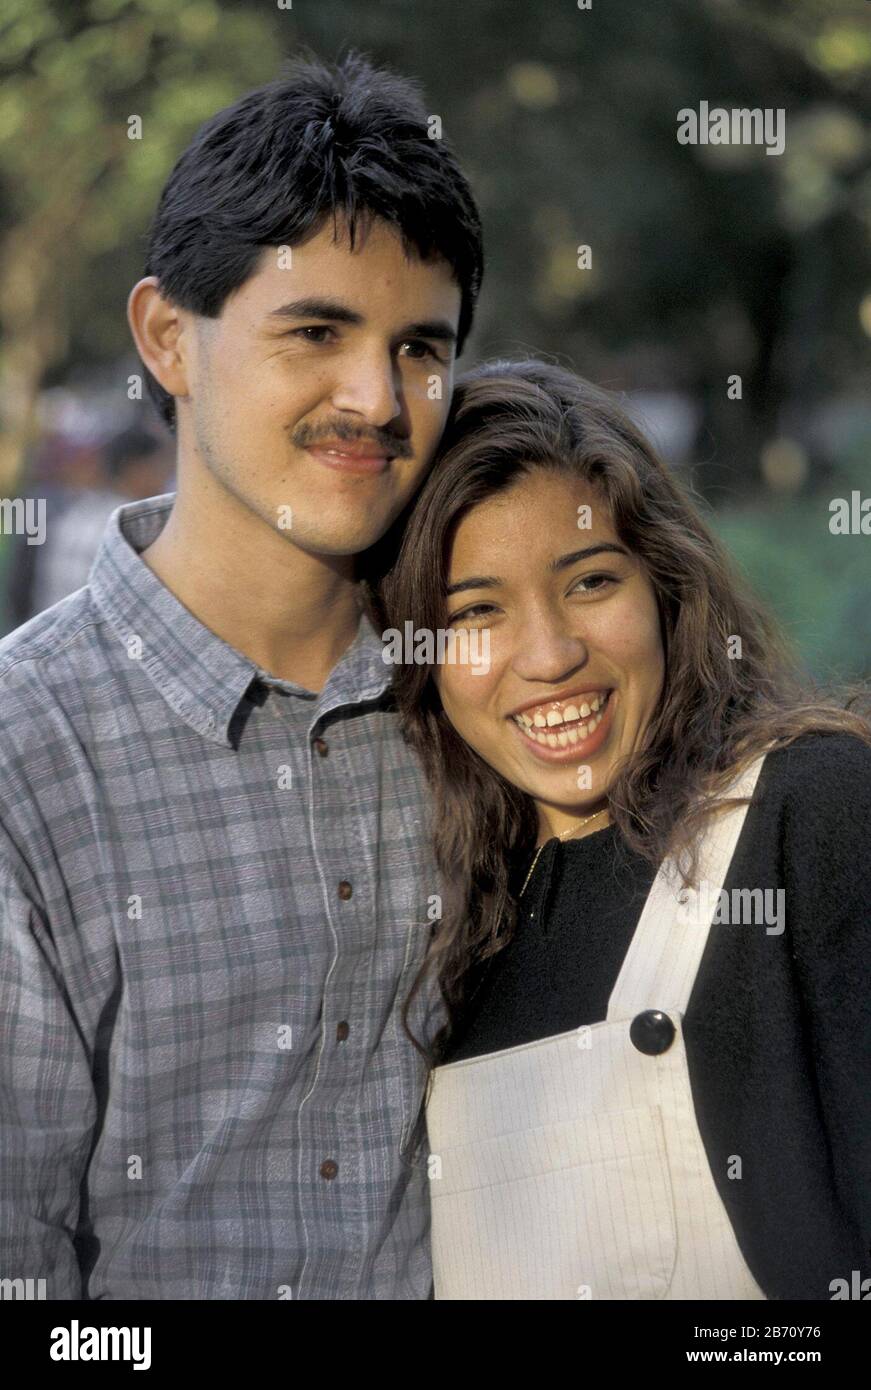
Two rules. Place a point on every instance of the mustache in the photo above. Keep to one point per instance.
(304, 436)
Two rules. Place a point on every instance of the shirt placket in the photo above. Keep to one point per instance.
(330, 1131)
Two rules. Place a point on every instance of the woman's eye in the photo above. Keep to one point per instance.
(591, 579)
(476, 611)
(589, 584)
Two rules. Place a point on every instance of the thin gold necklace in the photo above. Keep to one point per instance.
(563, 836)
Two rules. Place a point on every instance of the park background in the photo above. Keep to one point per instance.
(707, 261)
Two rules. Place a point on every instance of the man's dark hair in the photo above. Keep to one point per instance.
(344, 140)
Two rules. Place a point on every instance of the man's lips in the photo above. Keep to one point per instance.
(352, 456)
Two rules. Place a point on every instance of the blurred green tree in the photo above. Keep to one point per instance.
(75, 186)
(706, 261)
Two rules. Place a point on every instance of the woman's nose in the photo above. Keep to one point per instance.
(546, 650)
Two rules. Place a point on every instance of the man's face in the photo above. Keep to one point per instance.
(324, 350)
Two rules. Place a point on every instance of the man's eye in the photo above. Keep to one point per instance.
(313, 329)
(420, 348)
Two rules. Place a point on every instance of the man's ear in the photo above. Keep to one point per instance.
(159, 332)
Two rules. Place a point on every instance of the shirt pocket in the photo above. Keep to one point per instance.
(578, 1209)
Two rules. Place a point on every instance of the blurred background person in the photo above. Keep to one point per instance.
(133, 464)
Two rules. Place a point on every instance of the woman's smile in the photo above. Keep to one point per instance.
(563, 731)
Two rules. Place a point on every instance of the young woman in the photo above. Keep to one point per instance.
(655, 1076)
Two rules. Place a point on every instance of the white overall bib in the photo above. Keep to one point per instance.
(573, 1167)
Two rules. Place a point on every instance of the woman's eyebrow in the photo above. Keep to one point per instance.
(606, 547)
(489, 581)
(481, 581)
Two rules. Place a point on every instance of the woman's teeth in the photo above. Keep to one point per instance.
(563, 725)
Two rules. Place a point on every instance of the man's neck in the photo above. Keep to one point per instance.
(293, 614)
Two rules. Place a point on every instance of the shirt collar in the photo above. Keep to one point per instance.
(200, 676)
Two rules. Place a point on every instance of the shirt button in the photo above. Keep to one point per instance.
(342, 1031)
(322, 747)
(329, 1168)
(652, 1032)
(345, 890)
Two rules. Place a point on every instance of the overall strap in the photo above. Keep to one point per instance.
(660, 967)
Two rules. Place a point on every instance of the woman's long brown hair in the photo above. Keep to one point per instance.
(716, 715)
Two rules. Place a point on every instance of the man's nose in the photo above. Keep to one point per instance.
(369, 386)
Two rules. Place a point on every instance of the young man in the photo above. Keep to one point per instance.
(214, 861)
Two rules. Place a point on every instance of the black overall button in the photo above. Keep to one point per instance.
(652, 1032)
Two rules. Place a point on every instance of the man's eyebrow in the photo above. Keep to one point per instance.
(316, 307)
(437, 329)
(489, 581)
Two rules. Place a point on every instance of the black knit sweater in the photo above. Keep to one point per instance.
(778, 1027)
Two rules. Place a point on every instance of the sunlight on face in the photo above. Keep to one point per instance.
(566, 634)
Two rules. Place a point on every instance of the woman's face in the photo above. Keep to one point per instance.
(576, 663)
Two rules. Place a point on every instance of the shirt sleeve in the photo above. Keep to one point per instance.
(828, 862)
(47, 1103)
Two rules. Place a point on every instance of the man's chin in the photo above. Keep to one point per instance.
(340, 541)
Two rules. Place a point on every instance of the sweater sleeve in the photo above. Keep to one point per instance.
(827, 874)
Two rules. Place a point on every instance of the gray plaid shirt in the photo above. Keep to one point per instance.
(214, 895)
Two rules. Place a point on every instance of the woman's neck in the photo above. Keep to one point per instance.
(570, 824)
